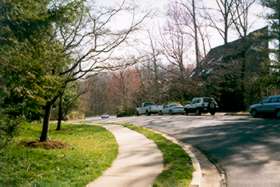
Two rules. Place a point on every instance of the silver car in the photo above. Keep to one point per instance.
(172, 108)
(268, 106)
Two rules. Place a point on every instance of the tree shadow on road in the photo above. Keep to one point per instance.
(243, 142)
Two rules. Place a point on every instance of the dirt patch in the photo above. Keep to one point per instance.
(51, 144)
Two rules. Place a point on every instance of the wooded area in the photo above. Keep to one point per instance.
(58, 56)
(236, 74)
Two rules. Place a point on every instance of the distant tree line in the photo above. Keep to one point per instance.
(165, 74)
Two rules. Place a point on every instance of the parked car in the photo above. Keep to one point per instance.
(105, 116)
(148, 109)
(268, 106)
(202, 105)
(172, 108)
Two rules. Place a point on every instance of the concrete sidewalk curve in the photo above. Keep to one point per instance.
(205, 173)
(138, 163)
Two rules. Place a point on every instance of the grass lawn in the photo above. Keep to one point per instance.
(178, 165)
(90, 150)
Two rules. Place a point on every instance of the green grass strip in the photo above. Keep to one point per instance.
(177, 164)
(90, 151)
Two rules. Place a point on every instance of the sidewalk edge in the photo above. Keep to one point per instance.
(197, 173)
(193, 152)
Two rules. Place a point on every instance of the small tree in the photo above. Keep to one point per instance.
(89, 42)
(67, 102)
(30, 55)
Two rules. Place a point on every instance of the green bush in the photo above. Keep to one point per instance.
(126, 112)
(7, 129)
(74, 115)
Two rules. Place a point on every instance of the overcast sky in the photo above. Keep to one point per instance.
(160, 7)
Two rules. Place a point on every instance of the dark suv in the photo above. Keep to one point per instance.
(202, 105)
(268, 106)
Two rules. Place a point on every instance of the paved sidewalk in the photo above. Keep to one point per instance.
(138, 163)
(205, 173)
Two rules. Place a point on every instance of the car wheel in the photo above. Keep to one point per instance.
(186, 112)
(137, 113)
(148, 113)
(160, 113)
(254, 113)
(170, 112)
(278, 114)
(197, 112)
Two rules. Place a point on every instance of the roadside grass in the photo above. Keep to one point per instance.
(177, 164)
(90, 150)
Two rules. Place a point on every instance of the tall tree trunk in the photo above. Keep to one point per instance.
(156, 80)
(278, 37)
(197, 52)
(226, 33)
(243, 69)
(60, 113)
(243, 73)
(44, 133)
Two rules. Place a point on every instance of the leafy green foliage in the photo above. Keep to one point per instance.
(70, 98)
(274, 16)
(273, 80)
(7, 129)
(126, 112)
(178, 165)
(31, 55)
(91, 150)
(70, 101)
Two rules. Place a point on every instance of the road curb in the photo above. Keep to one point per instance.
(197, 174)
(197, 156)
(202, 176)
(237, 114)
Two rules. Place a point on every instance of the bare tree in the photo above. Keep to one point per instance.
(174, 40)
(242, 26)
(66, 102)
(225, 10)
(194, 20)
(241, 16)
(121, 84)
(175, 44)
(152, 64)
(188, 16)
(89, 42)
(189, 13)
(205, 41)
(96, 98)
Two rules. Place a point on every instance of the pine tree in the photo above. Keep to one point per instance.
(274, 38)
(31, 56)
(274, 20)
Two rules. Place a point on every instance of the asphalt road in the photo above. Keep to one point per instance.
(247, 149)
